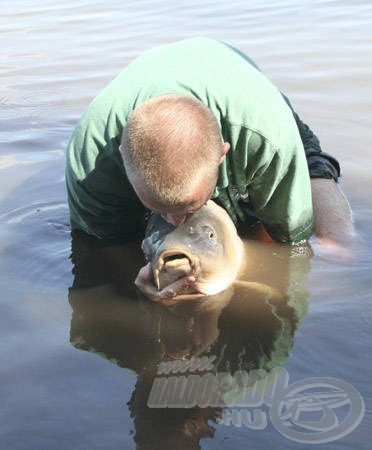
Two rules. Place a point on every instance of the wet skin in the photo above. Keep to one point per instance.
(205, 247)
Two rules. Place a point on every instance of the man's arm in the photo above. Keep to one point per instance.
(332, 214)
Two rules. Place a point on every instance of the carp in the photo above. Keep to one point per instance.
(206, 246)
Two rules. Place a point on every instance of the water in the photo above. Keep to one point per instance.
(55, 57)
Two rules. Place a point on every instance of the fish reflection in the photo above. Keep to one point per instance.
(250, 325)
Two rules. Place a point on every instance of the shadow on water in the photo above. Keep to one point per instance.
(249, 326)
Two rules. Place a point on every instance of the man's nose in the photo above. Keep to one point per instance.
(175, 219)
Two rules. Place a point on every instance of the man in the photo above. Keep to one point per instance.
(191, 121)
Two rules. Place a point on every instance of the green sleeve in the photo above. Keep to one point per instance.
(280, 193)
(320, 164)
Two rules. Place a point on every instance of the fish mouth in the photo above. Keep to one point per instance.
(174, 264)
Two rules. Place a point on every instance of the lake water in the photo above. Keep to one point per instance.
(77, 365)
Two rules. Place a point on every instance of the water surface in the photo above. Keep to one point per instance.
(56, 56)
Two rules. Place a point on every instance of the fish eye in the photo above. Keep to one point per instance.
(209, 234)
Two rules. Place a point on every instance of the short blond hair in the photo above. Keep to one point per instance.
(169, 144)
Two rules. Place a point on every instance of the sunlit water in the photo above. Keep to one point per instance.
(55, 57)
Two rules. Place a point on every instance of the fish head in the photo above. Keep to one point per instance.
(205, 246)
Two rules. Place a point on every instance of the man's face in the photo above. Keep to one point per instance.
(177, 214)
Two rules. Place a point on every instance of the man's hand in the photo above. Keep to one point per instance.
(145, 284)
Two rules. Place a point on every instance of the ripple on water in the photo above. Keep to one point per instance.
(36, 243)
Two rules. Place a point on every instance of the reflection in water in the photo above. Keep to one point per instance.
(249, 326)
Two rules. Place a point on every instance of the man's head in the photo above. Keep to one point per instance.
(171, 148)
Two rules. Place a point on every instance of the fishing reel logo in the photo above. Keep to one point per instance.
(317, 410)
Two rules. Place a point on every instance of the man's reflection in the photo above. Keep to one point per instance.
(249, 326)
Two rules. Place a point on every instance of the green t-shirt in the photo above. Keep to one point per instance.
(265, 168)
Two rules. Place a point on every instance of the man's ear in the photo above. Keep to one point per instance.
(225, 149)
